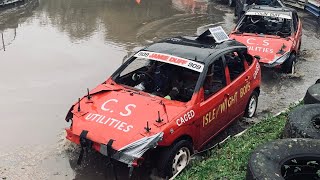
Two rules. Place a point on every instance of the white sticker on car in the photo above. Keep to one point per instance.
(270, 14)
(171, 60)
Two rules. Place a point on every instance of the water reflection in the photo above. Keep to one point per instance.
(127, 22)
(191, 6)
(10, 17)
(119, 19)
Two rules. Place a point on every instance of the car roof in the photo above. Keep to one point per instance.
(192, 48)
(264, 8)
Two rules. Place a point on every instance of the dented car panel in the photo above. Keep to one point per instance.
(178, 88)
(273, 34)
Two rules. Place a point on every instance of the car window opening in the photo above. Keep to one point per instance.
(215, 78)
(265, 25)
(235, 65)
(159, 78)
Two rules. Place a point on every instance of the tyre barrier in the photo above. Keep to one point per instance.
(288, 159)
(303, 122)
(313, 94)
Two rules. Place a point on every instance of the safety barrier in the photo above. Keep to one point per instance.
(313, 6)
(8, 2)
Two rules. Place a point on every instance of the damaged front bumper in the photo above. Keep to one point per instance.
(277, 62)
(129, 154)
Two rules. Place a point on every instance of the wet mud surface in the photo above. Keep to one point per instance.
(52, 50)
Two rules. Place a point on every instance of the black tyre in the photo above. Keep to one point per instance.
(289, 66)
(252, 105)
(231, 3)
(303, 122)
(312, 95)
(318, 81)
(174, 158)
(289, 159)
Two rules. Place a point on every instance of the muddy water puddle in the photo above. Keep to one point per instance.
(52, 50)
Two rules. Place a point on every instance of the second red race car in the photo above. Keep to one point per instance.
(272, 33)
(171, 98)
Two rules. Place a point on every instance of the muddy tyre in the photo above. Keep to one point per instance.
(252, 105)
(303, 122)
(174, 158)
(288, 159)
(313, 94)
(289, 66)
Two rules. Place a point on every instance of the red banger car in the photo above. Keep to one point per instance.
(272, 33)
(171, 97)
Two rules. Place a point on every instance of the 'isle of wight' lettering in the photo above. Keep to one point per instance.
(225, 105)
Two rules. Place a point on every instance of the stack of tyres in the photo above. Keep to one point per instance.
(297, 156)
(289, 159)
(313, 94)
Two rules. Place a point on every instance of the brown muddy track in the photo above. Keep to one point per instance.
(55, 49)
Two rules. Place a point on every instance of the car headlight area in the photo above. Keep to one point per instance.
(279, 60)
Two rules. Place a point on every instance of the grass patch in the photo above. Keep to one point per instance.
(230, 161)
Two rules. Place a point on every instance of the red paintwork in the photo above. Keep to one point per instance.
(145, 107)
(267, 46)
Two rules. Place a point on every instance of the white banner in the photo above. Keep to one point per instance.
(171, 60)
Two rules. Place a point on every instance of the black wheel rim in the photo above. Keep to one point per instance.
(302, 167)
(316, 122)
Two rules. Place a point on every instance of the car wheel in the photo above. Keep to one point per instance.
(313, 94)
(251, 107)
(231, 3)
(174, 159)
(303, 122)
(289, 66)
(285, 159)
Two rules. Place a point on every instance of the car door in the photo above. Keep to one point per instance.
(238, 82)
(213, 105)
(297, 30)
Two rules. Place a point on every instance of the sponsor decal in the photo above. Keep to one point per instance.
(225, 105)
(256, 71)
(171, 60)
(270, 14)
(262, 46)
(110, 121)
(185, 118)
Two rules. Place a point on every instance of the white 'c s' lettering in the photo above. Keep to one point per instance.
(128, 110)
(103, 106)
